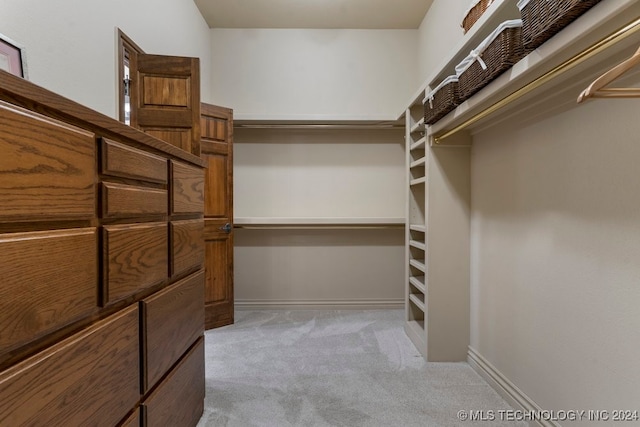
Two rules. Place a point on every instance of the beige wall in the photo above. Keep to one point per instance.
(314, 173)
(71, 44)
(555, 249)
(319, 173)
(439, 32)
(314, 74)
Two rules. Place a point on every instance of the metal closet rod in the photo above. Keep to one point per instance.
(319, 227)
(570, 63)
(381, 125)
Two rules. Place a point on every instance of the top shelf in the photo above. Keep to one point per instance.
(527, 94)
(498, 12)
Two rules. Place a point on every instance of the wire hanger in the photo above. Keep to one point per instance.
(597, 89)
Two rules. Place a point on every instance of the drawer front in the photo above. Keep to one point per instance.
(49, 279)
(90, 378)
(179, 399)
(47, 169)
(125, 201)
(127, 162)
(135, 257)
(187, 189)
(187, 245)
(133, 420)
(173, 320)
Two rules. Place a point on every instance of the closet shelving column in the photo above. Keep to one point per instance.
(437, 241)
(416, 227)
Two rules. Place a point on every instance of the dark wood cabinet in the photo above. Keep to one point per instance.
(101, 268)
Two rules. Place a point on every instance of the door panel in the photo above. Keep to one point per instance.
(165, 99)
(216, 124)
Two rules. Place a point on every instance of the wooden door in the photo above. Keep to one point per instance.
(165, 98)
(216, 147)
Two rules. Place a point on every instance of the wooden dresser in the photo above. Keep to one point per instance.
(101, 269)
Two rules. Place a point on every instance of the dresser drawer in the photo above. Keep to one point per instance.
(47, 168)
(127, 162)
(172, 320)
(179, 399)
(49, 279)
(187, 245)
(90, 378)
(187, 189)
(126, 201)
(135, 257)
(132, 420)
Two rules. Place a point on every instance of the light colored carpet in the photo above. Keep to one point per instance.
(333, 368)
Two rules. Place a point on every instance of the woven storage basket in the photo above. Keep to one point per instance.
(442, 100)
(497, 53)
(477, 8)
(541, 19)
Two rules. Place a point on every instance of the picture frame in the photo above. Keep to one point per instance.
(12, 57)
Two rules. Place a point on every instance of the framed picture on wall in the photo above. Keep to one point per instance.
(12, 57)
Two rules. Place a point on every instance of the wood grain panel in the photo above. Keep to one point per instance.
(187, 188)
(216, 197)
(219, 276)
(125, 201)
(163, 91)
(47, 168)
(173, 320)
(90, 378)
(133, 420)
(127, 162)
(135, 257)
(213, 128)
(179, 400)
(49, 279)
(187, 245)
(180, 137)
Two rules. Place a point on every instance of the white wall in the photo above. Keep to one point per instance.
(319, 268)
(319, 173)
(555, 250)
(314, 74)
(326, 173)
(439, 32)
(71, 44)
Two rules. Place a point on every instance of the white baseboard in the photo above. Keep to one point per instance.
(346, 304)
(505, 388)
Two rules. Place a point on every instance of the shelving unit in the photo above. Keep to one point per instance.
(559, 90)
(437, 246)
(317, 204)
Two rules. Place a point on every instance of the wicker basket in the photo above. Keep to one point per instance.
(478, 7)
(441, 100)
(497, 53)
(542, 19)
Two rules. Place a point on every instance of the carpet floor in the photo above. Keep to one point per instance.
(333, 368)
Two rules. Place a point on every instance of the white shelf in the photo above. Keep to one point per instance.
(420, 228)
(419, 265)
(419, 126)
(416, 300)
(499, 11)
(419, 144)
(600, 21)
(419, 162)
(418, 181)
(418, 245)
(324, 222)
(418, 282)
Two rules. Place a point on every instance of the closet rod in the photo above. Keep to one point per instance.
(375, 126)
(579, 58)
(321, 227)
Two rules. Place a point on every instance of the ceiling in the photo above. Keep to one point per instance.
(355, 14)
